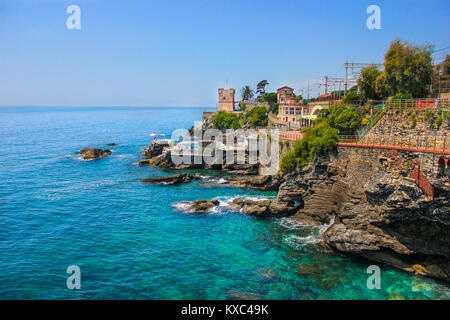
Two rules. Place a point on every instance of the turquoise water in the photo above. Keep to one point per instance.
(128, 237)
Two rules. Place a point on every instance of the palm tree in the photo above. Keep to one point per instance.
(260, 87)
(246, 93)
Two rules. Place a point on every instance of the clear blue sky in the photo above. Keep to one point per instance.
(177, 53)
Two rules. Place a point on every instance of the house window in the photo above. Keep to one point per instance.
(298, 111)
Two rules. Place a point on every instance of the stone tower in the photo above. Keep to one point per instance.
(226, 100)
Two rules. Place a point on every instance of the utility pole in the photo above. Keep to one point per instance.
(346, 67)
(326, 84)
(356, 71)
(308, 89)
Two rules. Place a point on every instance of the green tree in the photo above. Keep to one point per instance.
(342, 117)
(352, 96)
(260, 87)
(246, 93)
(226, 120)
(407, 69)
(269, 97)
(367, 82)
(257, 117)
(318, 141)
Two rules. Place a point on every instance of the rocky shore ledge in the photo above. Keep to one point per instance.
(375, 209)
(260, 208)
(173, 179)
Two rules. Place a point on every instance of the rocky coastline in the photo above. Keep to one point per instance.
(373, 207)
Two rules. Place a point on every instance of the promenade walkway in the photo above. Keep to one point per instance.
(438, 145)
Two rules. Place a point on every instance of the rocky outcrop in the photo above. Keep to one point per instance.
(240, 169)
(173, 179)
(264, 183)
(259, 208)
(154, 150)
(94, 153)
(374, 209)
(112, 144)
(199, 206)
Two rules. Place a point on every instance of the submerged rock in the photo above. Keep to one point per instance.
(173, 179)
(242, 295)
(112, 144)
(94, 153)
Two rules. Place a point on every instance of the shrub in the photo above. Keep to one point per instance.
(439, 122)
(414, 122)
(429, 114)
(402, 96)
(318, 141)
(366, 119)
(225, 120)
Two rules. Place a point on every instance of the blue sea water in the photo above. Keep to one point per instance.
(129, 239)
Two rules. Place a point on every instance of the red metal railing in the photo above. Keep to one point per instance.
(433, 144)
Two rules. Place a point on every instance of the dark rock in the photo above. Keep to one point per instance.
(94, 153)
(265, 183)
(112, 144)
(241, 169)
(173, 179)
(145, 162)
(155, 149)
(199, 206)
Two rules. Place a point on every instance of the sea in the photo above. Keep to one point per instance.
(132, 240)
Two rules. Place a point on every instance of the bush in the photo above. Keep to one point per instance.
(414, 122)
(439, 122)
(257, 117)
(366, 119)
(318, 141)
(352, 96)
(402, 96)
(344, 118)
(225, 120)
(429, 114)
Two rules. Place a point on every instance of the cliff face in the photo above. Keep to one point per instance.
(378, 211)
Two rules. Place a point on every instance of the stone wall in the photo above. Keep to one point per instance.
(423, 168)
(401, 124)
